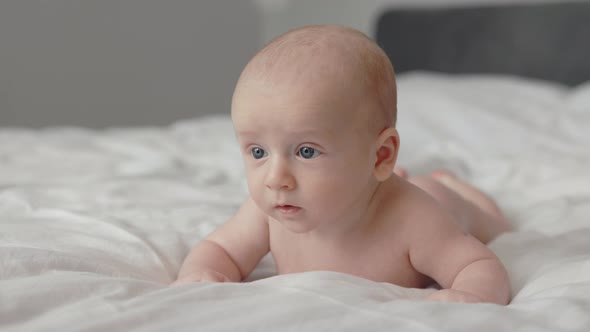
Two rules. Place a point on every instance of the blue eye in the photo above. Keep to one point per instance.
(258, 153)
(308, 153)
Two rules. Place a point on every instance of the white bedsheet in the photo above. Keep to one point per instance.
(95, 224)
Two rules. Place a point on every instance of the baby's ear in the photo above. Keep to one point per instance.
(387, 144)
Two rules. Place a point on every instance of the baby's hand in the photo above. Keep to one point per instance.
(452, 295)
(201, 276)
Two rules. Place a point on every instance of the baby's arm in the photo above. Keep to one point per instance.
(232, 251)
(464, 267)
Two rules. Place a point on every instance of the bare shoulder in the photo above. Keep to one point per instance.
(417, 220)
(412, 209)
(438, 246)
(425, 220)
(250, 213)
(245, 231)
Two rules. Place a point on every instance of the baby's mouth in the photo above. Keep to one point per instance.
(287, 209)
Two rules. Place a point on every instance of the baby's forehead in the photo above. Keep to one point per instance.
(298, 120)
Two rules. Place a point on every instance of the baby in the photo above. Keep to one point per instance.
(314, 113)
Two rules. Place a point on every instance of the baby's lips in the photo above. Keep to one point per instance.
(287, 208)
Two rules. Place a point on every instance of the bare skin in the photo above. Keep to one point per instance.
(474, 211)
(324, 194)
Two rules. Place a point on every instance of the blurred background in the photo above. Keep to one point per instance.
(105, 63)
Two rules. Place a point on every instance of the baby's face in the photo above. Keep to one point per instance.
(308, 153)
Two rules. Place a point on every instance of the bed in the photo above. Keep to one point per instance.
(94, 224)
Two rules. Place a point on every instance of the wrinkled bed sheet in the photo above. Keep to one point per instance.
(95, 224)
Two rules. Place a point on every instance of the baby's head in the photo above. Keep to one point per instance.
(314, 112)
(332, 61)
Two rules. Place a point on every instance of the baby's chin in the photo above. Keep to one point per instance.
(296, 225)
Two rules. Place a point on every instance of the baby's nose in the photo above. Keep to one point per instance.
(280, 177)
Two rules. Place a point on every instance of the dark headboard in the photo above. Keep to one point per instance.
(544, 41)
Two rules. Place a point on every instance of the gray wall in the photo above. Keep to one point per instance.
(100, 63)
(283, 15)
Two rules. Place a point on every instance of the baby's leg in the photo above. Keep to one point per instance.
(474, 210)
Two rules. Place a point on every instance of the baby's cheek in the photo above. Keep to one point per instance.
(330, 191)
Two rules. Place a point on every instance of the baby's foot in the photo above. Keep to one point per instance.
(471, 194)
(401, 172)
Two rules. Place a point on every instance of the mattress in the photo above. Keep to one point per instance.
(94, 224)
